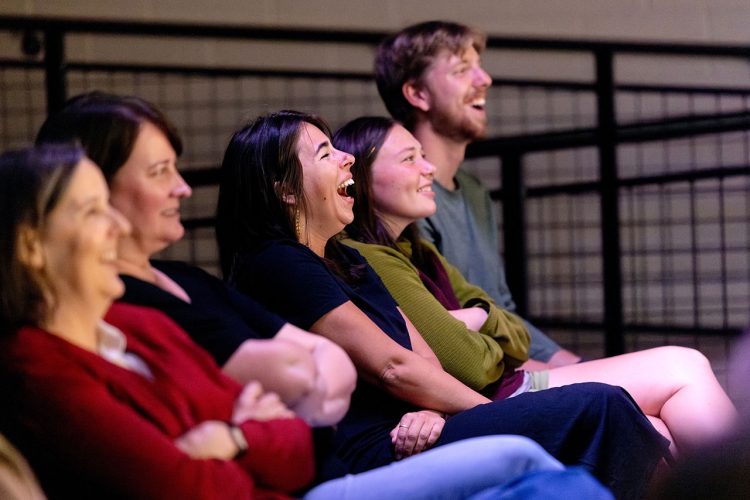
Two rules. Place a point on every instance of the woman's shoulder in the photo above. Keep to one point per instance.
(362, 247)
(371, 250)
(148, 328)
(272, 250)
(132, 318)
(430, 247)
(27, 344)
(44, 361)
(193, 279)
(274, 264)
(176, 268)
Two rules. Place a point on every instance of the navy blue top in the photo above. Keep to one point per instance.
(593, 425)
(218, 318)
(292, 281)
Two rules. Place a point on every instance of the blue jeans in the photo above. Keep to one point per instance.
(481, 466)
(555, 484)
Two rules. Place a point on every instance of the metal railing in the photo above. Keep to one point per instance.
(615, 312)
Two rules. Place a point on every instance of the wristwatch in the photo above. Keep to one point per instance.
(239, 440)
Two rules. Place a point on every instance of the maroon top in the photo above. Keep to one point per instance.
(436, 280)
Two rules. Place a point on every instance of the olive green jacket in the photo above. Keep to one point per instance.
(475, 358)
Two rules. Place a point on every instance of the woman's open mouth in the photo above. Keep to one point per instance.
(346, 188)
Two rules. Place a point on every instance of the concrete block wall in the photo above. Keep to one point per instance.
(723, 21)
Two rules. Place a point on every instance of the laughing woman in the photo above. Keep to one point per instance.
(282, 199)
(674, 386)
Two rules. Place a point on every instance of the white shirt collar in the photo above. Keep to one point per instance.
(111, 345)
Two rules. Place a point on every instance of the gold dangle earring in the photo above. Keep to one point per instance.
(297, 231)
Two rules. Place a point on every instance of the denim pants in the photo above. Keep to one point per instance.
(485, 467)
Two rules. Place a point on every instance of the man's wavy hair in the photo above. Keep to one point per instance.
(406, 55)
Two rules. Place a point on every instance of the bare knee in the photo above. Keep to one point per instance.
(683, 363)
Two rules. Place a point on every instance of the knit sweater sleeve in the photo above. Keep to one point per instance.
(506, 328)
(474, 358)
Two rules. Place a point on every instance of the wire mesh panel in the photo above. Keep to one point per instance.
(685, 253)
(514, 109)
(683, 209)
(23, 106)
(564, 257)
(207, 109)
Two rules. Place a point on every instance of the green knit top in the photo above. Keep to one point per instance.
(475, 358)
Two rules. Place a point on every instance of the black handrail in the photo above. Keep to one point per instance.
(605, 136)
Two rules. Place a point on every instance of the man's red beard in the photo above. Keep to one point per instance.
(462, 129)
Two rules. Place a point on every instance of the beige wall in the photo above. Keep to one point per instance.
(223, 103)
(675, 20)
(704, 21)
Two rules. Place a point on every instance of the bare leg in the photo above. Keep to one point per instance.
(563, 357)
(661, 427)
(674, 384)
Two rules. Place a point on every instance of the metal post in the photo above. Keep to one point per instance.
(514, 230)
(610, 211)
(54, 69)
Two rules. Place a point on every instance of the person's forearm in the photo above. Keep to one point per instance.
(511, 334)
(280, 366)
(332, 362)
(280, 453)
(415, 380)
(475, 359)
(382, 361)
(336, 378)
(472, 317)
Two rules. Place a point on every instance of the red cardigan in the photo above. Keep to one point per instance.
(92, 428)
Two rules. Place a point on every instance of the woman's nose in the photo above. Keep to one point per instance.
(427, 168)
(182, 189)
(347, 160)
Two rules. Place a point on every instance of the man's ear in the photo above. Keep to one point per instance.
(29, 247)
(416, 95)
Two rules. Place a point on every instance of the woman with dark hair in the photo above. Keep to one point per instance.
(124, 405)
(684, 401)
(137, 148)
(283, 197)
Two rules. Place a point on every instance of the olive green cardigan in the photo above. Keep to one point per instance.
(475, 358)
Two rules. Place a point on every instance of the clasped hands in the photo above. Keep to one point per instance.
(213, 439)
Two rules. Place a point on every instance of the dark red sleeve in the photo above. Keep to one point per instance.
(78, 422)
(280, 453)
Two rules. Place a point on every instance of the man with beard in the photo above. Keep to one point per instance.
(430, 78)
